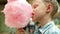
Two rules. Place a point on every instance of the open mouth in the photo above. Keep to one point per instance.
(32, 15)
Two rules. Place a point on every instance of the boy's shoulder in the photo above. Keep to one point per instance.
(54, 30)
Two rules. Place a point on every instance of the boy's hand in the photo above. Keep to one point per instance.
(21, 31)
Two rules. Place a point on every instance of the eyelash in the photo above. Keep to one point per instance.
(35, 6)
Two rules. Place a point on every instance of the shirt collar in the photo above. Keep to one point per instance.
(46, 27)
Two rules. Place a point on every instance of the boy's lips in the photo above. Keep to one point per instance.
(32, 15)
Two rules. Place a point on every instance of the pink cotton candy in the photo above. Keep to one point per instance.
(11, 0)
(17, 13)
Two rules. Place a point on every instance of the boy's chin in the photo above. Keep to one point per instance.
(34, 20)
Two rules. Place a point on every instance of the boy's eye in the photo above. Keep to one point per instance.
(35, 6)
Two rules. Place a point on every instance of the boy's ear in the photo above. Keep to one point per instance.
(49, 8)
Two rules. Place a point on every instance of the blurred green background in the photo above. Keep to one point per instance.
(3, 27)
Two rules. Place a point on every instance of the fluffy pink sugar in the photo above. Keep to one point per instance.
(11, 0)
(17, 15)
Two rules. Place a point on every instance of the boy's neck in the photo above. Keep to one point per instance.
(44, 21)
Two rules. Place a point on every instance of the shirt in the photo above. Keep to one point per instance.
(49, 28)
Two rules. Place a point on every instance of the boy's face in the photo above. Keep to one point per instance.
(39, 10)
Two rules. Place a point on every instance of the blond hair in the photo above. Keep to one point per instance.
(30, 1)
